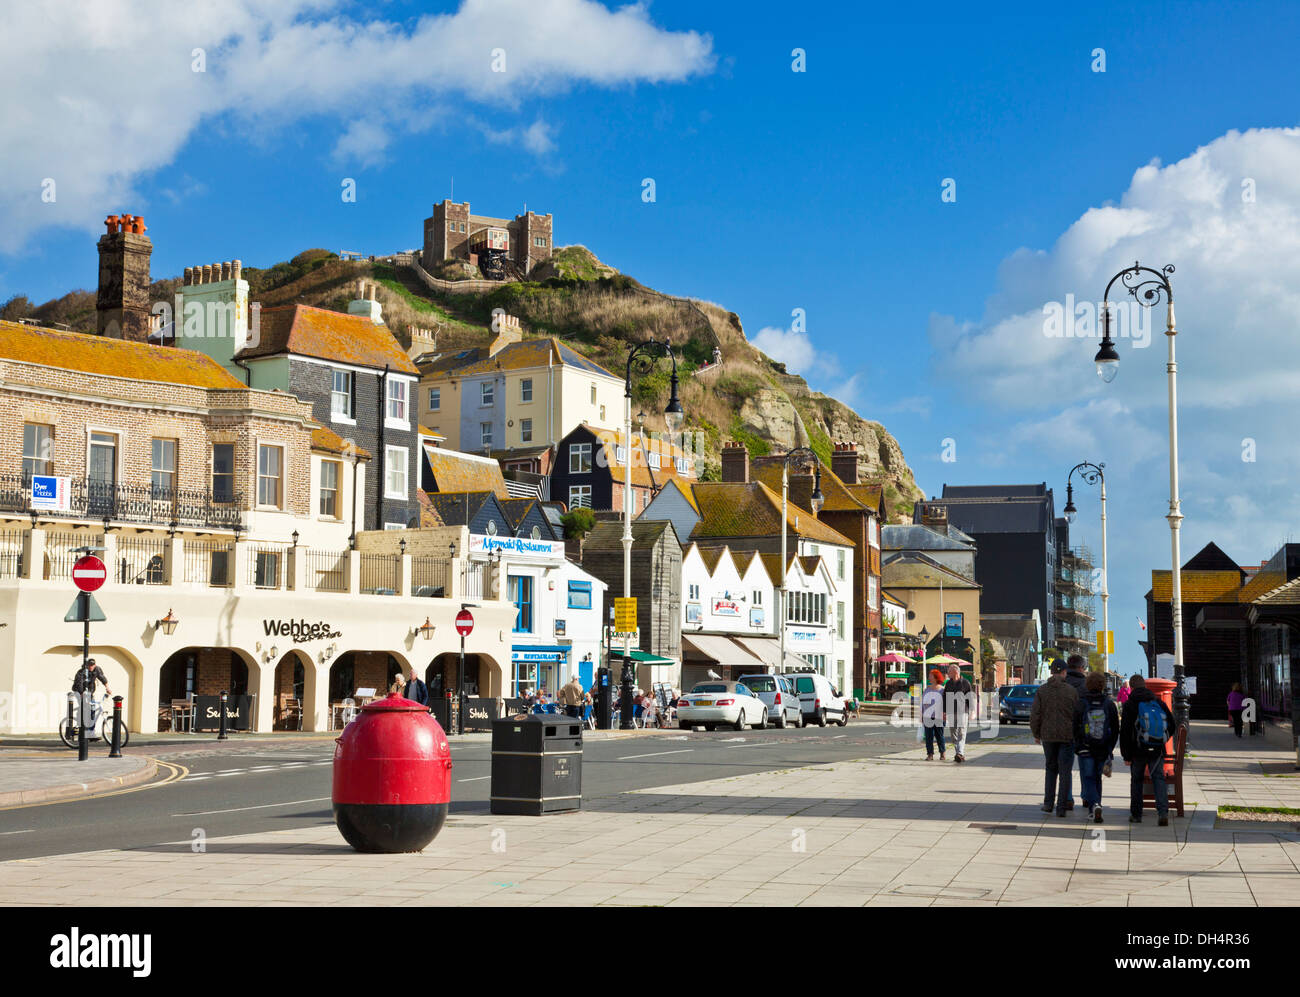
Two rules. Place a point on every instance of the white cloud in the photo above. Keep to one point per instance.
(787, 346)
(98, 95)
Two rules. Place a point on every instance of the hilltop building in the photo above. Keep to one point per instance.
(502, 248)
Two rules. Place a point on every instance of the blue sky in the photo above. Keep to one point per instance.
(775, 190)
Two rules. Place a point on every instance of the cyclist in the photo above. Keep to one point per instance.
(93, 673)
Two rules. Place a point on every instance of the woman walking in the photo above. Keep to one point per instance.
(932, 715)
(1236, 701)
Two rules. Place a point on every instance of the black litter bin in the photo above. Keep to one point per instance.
(536, 764)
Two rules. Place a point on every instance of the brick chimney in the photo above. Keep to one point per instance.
(735, 462)
(844, 462)
(507, 331)
(935, 517)
(122, 304)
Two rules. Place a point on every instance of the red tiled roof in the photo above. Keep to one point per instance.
(328, 335)
(101, 355)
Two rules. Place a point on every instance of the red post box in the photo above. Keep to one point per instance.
(1163, 690)
(392, 777)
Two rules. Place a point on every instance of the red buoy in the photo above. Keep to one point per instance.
(392, 777)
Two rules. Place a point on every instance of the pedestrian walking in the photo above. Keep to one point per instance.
(1096, 729)
(1076, 673)
(415, 689)
(571, 697)
(1124, 693)
(957, 702)
(1236, 703)
(1051, 721)
(932, 715)
(1144, 726)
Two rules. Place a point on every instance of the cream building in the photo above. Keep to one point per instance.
(232, 550)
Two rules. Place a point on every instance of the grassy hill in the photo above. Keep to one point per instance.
(598, 311)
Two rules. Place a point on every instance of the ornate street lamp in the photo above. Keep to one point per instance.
(642, 358)
(426, 631)
(167, 624)
(1148, 287)
(1092, 474)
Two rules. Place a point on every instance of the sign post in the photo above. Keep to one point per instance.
(464, 627)
(88, 574)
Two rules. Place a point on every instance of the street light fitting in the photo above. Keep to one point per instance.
(167, 624)
(1070, 511)
(426, 630)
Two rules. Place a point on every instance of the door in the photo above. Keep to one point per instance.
(101, 484)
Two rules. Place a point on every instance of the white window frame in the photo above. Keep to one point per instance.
(525, 390)
(577, 451)
(404, 400)
(577, 494)
(525, 430)
(404, 464)
(154, 469)
(48, 439)
(348, 416)
(840, 560)
(487, 394)
(485, 435)
(435, 399)
(653, 458)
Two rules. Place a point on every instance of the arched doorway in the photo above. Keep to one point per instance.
(290, 688)
(360, 676)
(200, 671)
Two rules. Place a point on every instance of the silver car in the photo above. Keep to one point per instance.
(778, 695)
(719, 704)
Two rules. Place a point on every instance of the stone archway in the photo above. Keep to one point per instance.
(126, 675)
(289, 705)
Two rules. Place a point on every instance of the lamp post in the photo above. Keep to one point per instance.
(816, 500)
(1093, 473)
(1148, 286)
(647, 354)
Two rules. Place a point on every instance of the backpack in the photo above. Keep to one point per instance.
(1094, 723)
(1151, 726)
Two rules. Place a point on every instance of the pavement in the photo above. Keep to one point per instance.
(892, 830)
(29, 777)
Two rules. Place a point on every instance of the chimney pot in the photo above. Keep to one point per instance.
(207, 272)
(235, 269)
(225, 271)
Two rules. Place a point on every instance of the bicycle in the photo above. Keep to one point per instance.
(103, 720)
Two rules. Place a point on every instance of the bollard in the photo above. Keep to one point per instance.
(221, 730)
(115, 750)
(72, 713)
(83, 748)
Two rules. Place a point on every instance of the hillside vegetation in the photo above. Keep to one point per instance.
(748, 397)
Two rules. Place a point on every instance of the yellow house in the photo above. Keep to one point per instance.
(945, 603)
(515, 398)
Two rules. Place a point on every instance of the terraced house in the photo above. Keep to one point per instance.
(348, 367)
(515, 399)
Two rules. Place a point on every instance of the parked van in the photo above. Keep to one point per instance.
(818, 700)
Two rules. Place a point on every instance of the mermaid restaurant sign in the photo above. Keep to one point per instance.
(300, 631)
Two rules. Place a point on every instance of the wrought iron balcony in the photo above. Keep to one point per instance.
(121, 503)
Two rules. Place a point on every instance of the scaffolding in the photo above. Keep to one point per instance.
(1077, 585)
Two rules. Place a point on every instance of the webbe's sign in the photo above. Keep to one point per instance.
(49, 493)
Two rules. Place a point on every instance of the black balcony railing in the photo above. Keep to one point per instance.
(91, 499)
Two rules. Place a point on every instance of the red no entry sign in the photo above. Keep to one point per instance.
(464, 622)
(88, 573)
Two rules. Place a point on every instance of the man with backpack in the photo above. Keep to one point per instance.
(1076, 674)
(1096, 729)
(1144, 728)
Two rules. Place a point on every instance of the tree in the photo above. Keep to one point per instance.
(578, 522)
(988, 667)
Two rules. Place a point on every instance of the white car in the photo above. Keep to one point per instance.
(818, 699)
(778, 695)
(717, 704)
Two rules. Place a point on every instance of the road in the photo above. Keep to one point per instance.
(240, 788)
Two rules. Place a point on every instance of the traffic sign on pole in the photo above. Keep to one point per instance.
(464, 622)
(88, 573)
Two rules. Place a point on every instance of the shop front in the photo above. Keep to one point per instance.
(539, 668)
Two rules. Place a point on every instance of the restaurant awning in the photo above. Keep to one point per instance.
(722, 651)
(765, 649)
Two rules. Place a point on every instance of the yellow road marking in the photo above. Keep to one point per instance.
(175, 774)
